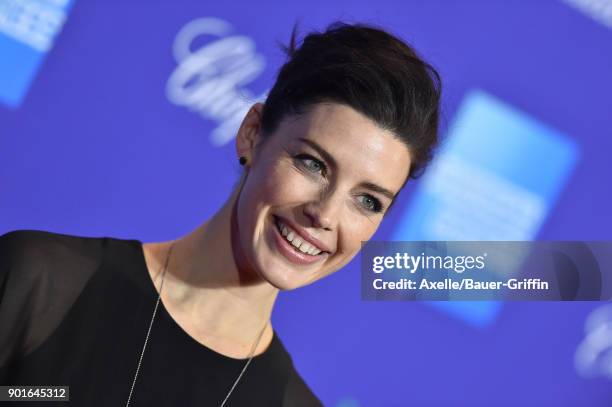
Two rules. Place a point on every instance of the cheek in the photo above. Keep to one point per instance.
(355, 232)
(283, 185)
(353, 229)
(269, 186)
(261, 188)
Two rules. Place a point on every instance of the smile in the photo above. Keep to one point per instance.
(296, 240)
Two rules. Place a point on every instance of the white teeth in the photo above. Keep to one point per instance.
(305, 247)
(297, 241)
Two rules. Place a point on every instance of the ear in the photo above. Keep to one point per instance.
(249, 134)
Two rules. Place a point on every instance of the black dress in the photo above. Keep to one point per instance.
(75, 311)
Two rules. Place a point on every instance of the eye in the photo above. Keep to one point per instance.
(311, 164)
(370, 203)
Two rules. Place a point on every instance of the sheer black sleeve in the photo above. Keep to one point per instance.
(41, 276)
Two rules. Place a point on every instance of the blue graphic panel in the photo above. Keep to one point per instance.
(482, 185)
(27, 31)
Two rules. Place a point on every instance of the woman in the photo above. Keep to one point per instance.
(352, 115)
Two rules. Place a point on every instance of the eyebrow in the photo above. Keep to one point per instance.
(328, 157)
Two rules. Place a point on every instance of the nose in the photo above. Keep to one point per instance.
(323, 212)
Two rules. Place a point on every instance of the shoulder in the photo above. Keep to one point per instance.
(41, 274)
(34, 250)
(37, 264)
(41, 240)
(297, 393)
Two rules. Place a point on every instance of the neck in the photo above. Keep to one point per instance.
(209, 287)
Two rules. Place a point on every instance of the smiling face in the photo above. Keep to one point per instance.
(323, 180)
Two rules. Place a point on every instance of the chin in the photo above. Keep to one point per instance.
(282, 277)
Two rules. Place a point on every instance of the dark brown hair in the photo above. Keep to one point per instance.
(368, 69)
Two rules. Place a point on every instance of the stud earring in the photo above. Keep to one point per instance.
(242, 160)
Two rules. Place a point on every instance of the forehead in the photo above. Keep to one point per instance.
(357, 144)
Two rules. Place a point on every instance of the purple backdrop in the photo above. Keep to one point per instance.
(108, 136)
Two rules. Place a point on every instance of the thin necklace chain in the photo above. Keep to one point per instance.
(144, 346)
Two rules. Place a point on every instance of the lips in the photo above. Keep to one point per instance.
(289, 251)
(297, 241)
(302, 234)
